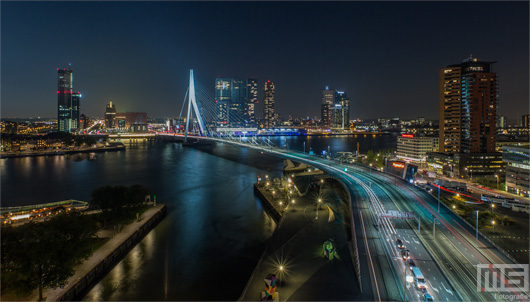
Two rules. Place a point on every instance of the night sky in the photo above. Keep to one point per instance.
(386, 56)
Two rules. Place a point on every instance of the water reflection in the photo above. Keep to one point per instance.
(215, 227)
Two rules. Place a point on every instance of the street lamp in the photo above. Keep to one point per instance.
(438, 184)
(497, 176)
(493, 223)
(476, 233)
(318, 207)
(492, 206)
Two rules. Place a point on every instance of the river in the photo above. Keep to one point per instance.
(215, 229)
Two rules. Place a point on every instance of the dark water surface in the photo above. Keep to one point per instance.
(215, 229)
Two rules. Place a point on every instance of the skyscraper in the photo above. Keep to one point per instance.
(68, 101)
(222, 98)
(468, 107)
(250, 100)
(525, 121)
(230, 94)
(268, 103)
(237, 103)
(110, 116)
(326, 107)
(341, 114)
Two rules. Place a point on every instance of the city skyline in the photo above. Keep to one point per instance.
(385, 55)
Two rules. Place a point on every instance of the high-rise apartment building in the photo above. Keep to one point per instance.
(231, 98)
(326, 106)
(468, 118)
(525, 121)
(222, 99)
(468, 107)
(268, 103)
(251, 100)
(110, 116)
(340, 112)
(68, 101)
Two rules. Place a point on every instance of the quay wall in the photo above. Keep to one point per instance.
(74, 291)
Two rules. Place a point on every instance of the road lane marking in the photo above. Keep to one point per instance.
(433, 288)
(446, 289)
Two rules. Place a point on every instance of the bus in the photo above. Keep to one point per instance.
(418, 278)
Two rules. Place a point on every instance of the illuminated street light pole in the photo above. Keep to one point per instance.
(476, 233)
(497, 176)
(405, 281)
(318, 207)
(434, 227)
(493, 223)
(438, 197)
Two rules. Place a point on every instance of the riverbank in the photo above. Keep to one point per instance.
(295, 250)
(93, 269)
(62, 151)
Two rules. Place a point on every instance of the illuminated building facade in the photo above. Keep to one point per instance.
(222, 99)
(110, 116)
(326, 107)
(251, 100)
(468, 117)
(414, 148)
(235, 101)
(401, 169)
(125, 120)
(340, 111)
(268, 105)
(68, 101)
(468, 107)
(517, 161)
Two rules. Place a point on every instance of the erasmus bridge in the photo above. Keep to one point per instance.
(457, 263)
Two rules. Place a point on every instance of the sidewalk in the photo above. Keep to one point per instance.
(296, 245)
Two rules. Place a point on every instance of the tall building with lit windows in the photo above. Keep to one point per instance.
(268, 103)
(251, 99)
(222, 100)
(230, 95)
(326, 106)
(468, 107)
(468, 117)
(68, 101)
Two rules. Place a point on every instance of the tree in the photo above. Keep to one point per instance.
(370, 156)
(118, 199)
(43, 255)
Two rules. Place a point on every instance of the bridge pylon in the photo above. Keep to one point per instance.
(192, 102)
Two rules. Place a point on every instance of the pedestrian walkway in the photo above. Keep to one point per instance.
(88, 265)
(295, 255)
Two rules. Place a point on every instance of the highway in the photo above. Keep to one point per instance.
(447, 256)
(454, 243)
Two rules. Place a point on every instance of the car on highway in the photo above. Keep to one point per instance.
(400, 244)
(411, 264)
(405, 254)
(427, 298)
(419, 279)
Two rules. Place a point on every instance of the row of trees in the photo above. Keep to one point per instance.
(44, 254)
(377, 159)
(40, 255)
(66, 138)
(118, 202)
